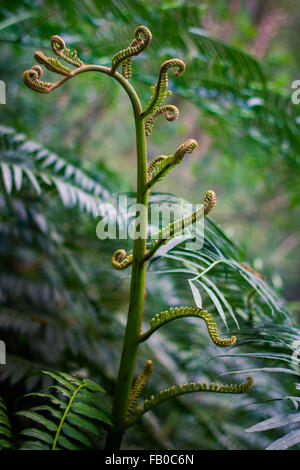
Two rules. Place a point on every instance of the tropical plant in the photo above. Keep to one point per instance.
(65, 277)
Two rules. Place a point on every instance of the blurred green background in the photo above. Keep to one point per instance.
(235, 99)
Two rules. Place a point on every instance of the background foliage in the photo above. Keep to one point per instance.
(62, 304)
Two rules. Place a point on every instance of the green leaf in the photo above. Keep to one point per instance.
(93, 386)
(38, 419)
(286, 441)
(38, 434)
(6, 176)
(76, 434)
(83, 423)
(66, 443)
(60, 379)
(34, 445)
(91, 412)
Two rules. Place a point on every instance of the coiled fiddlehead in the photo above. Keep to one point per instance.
(31, 78)
(142, 38)
(178, 227)
(160, 91)
(180, 312)
(171, 114)
(51, 64)
(161, 165)
(60, 49)
(177, 390)
(139, 385)
(120, 260)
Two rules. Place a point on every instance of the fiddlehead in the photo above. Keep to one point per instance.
(160, 91)
(171, 114)
(31, 78)
(59, 47)
(161, 165)
(180, 312)
(142, 38)
(178, 227)
(51, 64)
(120, 260)
(139, 385)
(177, 390)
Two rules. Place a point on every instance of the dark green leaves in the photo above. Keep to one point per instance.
(73, 419)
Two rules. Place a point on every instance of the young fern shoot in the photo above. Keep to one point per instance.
(125, 411)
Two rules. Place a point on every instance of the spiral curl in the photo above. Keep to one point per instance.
(142, 38)
(182, 389)
(120, 260)
(210, 201)
(139, 385)
(180, 312)
(60, 49)
(51, 64)
(31, 78)
(162, 164)
(160, 91)
(171, 113)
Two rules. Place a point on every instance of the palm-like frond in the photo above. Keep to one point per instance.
(65, 414)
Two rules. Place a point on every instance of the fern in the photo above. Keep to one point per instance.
(6, 433)
(69, 412)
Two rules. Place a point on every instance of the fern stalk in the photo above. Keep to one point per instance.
(59, 428)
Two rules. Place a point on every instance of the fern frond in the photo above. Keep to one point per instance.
(161, 165)
(6, 433)
(31, 78)
(160, 91)
(171, 114)
(63, 423)
(178, 227)
(51, 64)
(180, 312)
(142, 38)
(139, 385)
(178, 390)
(59, 47)
(120, 260)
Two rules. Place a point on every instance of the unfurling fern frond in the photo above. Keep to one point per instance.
(162, 164)
(180, 312)
(171, 114)
(139, 385)
(178, 227)
(66, 416)
(142, 38)
(59, 47)
(31, 78)
(6, 434)
(160, 91)
(51, 64)
(120, 260)
(177, 390)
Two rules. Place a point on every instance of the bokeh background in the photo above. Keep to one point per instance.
(62, 305)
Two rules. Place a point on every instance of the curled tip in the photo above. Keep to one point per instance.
(51, 64)
(120, 260)
(57, 43)
(170, 112)
(210, 200)
(142, 33)
(60, 49)
(142, 38)
(187, 147)
(31, 78)
(173, 63)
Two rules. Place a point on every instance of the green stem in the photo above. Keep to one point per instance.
(137, 289)
(65, 415)
(137, 294)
